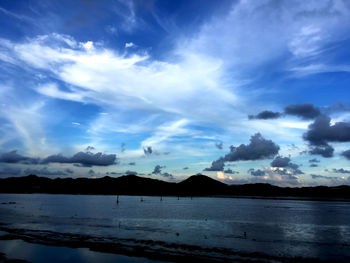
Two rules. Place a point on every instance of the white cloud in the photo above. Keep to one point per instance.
(130, 44)
(191, 87)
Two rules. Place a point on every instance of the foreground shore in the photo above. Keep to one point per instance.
(205, 229)
(156, 251)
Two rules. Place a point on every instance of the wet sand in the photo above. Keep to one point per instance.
(128, 250)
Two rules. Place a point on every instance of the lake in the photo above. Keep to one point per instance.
(201, 227)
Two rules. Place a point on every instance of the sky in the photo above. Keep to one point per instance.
(242, 91)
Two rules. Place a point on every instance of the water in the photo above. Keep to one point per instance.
(281, 228)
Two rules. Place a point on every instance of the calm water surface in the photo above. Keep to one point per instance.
(287, 228)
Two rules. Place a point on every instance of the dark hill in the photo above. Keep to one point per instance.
(196, 185)
(202, 185)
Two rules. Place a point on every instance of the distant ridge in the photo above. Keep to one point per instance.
(196, 185)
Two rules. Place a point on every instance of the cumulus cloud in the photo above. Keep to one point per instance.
(257, 172)
(280, 161)
(321, 131)
(274, 175)
(14, 157)
(281, 174)
(265, 115)
(285, 162)
(83, 159)
(217, 165)
(158, 169)
(258, 148)
(224, 177)
(305, 111)
(325, 151)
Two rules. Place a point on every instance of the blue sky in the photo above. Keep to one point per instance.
(165, 88)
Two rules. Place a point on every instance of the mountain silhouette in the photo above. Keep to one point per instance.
(196, 185)
(202, 185)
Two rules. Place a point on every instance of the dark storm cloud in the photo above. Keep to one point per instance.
(305, 111)
(346, 154)
(217, 165)
(219, 145)
(84, 159)
(258, 148)
(325, 151)
(321, 132)
(14, 157)
(158, 169)
(265, 115)
(341, 171)
(257, 172)
(314, 160)
(147, 150)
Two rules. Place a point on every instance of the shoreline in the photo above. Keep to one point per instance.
(294, 198)
(150, 249)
